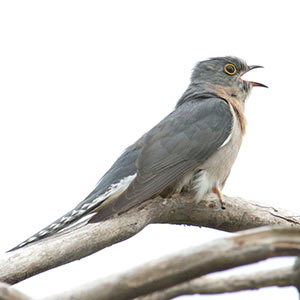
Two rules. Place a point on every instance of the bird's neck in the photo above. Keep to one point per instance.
(238, 104)
(197, 92)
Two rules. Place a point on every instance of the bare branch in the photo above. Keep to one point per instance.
(9, 293)
(296, 277)
(246, 247)
(212, 284)
(78, 243)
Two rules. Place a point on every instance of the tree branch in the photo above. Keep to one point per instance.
(296, 277)
(9, 293)
(212, 284)
(246, 247)
(81, 242)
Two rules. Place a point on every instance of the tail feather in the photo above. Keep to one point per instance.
(81, 210)
(84, 208)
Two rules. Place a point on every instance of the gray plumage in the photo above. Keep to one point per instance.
(174, 153)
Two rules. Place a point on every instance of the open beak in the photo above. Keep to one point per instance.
(252, 82)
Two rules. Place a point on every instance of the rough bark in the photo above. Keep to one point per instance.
(243, 248)
(78, 243)
(212, 284)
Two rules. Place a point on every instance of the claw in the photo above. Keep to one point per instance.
(220, 196)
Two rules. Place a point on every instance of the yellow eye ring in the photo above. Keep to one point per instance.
(230, 69)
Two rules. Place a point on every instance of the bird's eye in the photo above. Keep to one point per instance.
(230, 69)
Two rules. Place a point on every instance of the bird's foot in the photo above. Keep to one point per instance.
(176, 196)
(220, 196)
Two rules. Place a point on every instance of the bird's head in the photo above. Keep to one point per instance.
(224, 75)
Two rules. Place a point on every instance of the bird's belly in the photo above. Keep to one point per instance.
(216, 169)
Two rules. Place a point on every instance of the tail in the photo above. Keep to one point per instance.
(114, 182)
(81, 210)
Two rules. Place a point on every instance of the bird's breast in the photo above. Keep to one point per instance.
(215, 170)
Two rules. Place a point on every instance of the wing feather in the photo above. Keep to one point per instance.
(177, 145)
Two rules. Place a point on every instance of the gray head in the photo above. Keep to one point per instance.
(221, 76)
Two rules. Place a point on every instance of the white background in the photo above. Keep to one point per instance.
(81, 80)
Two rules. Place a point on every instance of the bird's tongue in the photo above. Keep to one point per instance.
(257, 84)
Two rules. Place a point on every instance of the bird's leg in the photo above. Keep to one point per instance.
(220, 196)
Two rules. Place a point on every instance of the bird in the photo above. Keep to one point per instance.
(193, 148)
